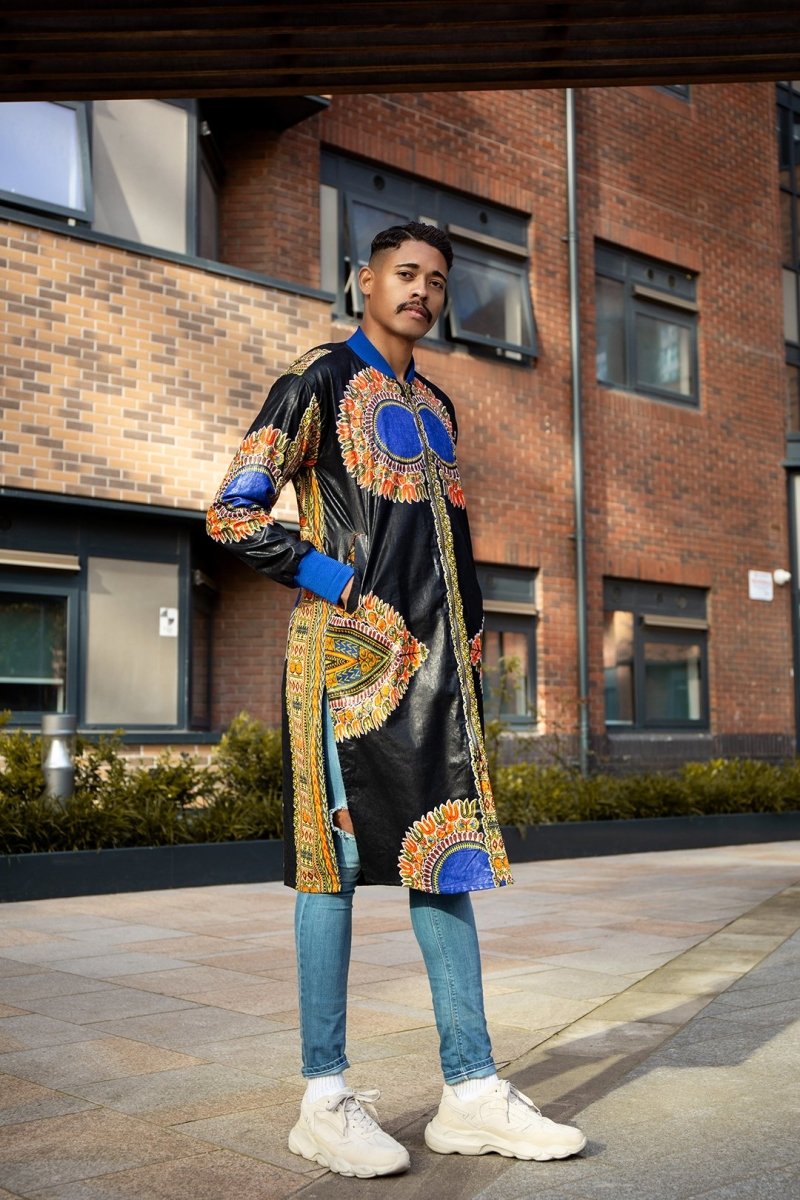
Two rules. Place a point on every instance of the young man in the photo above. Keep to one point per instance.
(386, 778)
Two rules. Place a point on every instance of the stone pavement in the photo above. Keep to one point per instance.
(149, 1048)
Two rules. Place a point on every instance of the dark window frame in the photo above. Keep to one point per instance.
(681, 90)
(672, 604)
(476, 229)
(657, 290)
(510, 606)
(34, 203)
(114, 540)
(202, 156)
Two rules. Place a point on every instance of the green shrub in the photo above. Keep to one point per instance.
(237, 796)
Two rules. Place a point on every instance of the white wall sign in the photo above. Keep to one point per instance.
(760, 585)
(168, 622)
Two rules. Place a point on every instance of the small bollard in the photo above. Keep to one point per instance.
(58, 754)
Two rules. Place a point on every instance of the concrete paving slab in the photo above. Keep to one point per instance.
(209, 1176)
(21, 1100)
(42, 1154)
(68, 1067)
(109, 1004)
(191, 1093)
(186, 1029)
(32, 984)
(31, 1030)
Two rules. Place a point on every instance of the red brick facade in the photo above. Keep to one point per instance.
(130, 378)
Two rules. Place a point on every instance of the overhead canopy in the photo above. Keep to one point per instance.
(83, 49)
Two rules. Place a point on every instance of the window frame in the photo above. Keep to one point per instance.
(509, 604)
(38, 581)
(788, 108)
(668, 614)
(642, 296)
(33, 203)
(202, 156)
(109, 536)
(478, 230)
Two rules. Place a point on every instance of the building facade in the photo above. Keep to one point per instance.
(164, 262)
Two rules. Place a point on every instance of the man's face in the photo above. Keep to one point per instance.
(404, 289)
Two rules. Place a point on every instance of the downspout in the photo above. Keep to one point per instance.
(577, 435)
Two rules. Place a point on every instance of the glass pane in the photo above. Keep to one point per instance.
(33, 652)
(791, 331)
(663, 355)
(365, 221)
(610, 331)
(40, 153)
(132, 652)
(671, 681)
(793, 380)
(618, 667)
(505, 673)
(330, 258)
(140, 158)
(785, 145)
(488, 300)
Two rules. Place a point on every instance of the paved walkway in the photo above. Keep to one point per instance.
(149, 1049)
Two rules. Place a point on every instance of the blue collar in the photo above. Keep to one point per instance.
(360, 344)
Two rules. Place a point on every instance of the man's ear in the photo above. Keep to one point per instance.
(365, 278)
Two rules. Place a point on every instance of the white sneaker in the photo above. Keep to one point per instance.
(499, 1120)
(340, 1133)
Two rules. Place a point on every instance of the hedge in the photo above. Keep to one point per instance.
(237, 795)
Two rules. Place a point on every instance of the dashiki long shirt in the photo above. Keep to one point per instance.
(372, 459)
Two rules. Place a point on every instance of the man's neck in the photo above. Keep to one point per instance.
(397, 351)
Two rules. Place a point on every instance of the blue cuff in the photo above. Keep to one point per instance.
(324, 576)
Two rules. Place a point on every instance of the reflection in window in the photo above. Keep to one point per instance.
(618, 667)
(33, 653)
(44, 155)
(671, 681)
(505, 673)
(489, 300)
(663, 355)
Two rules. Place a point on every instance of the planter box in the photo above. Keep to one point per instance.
(149, 868)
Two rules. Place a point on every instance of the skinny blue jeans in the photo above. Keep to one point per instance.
(445, 930)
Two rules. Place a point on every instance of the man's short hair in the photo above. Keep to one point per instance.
(414, 231)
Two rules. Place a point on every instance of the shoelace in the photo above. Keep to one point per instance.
(513, 1096)
(355, 1113)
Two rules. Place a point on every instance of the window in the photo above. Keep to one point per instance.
(117, 632)
(509, 644)
(789, 166)
(655, 656)
(489, 302)
(145, 171)
(676, 89)
(646, 326)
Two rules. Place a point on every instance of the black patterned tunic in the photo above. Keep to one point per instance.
(372, 459)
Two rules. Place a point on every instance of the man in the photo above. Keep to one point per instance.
(386, 778)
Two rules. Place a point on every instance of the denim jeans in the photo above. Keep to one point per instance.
(445, 930)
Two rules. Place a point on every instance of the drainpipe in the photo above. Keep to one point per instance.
(577, 435)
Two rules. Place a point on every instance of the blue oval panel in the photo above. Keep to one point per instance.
(463, 869)
(396, 430)
(439, 439)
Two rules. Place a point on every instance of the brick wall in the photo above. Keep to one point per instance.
(133, 378)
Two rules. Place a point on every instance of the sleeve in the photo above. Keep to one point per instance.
(283, 440)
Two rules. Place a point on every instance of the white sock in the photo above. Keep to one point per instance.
(469, 1088)
(324, 1085)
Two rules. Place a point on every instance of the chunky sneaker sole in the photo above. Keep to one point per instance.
(339, 1133)
(451, 1141)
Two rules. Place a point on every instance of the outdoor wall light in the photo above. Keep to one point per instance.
(58, 754)
(781, 576)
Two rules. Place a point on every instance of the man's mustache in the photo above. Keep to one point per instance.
(416, 304)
